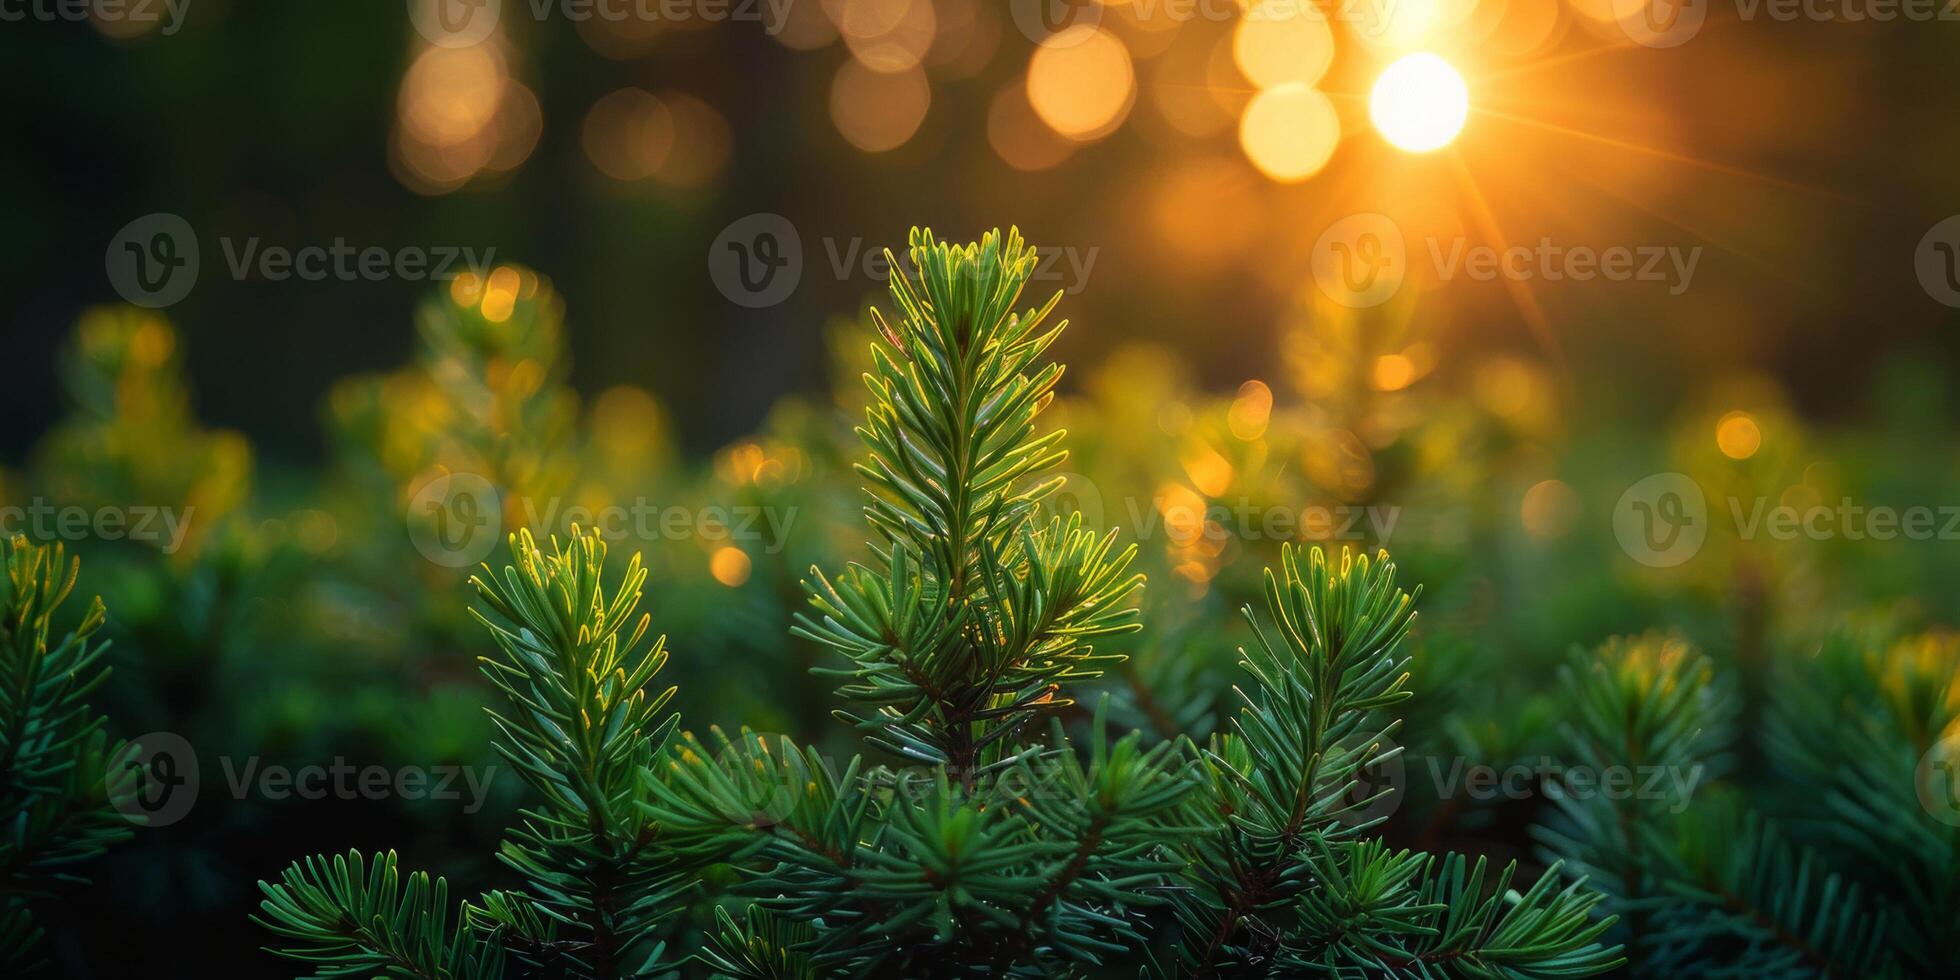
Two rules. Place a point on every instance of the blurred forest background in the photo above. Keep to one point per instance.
(1498, 423)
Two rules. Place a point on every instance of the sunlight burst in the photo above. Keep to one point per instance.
(1419, 103)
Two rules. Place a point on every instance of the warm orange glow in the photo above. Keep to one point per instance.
(460, 114)
(450, 94)
(1550, 509)
(1281, 41)
(1019, 136)
(1290, 131)
(877, 111)
(1738, 436)
(1251, 410)
(887, 35)
(805, 27)
(729, 565)
(626, 421)
(500, 294)
(702, 142)
(1181, 91)
(628, 134)
(1394, 372)
(1081, 83)
(515, 130)
(1210, 472)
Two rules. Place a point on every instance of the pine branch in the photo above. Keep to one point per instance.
(1307, 726)
(1708, 890)
(583, 730)
(974, 615)
(347, 918)
(1893, 708)
(1751, 903)
(59, 780)
(1385, 914)
(761, 947)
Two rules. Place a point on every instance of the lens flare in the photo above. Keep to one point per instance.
(1419, 103)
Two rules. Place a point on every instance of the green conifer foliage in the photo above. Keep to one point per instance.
(993, 828)
(59, 781)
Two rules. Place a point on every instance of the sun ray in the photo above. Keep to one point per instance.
(1655, 151)
(1521, 294)
(1771, 269)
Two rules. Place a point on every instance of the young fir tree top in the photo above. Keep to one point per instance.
(583, 729)
(976, 610)
(994, 847)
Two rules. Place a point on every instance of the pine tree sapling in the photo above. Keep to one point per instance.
(994, 847)
(976, 611)
(583, 730)
(59, 784)
(1283, 878)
